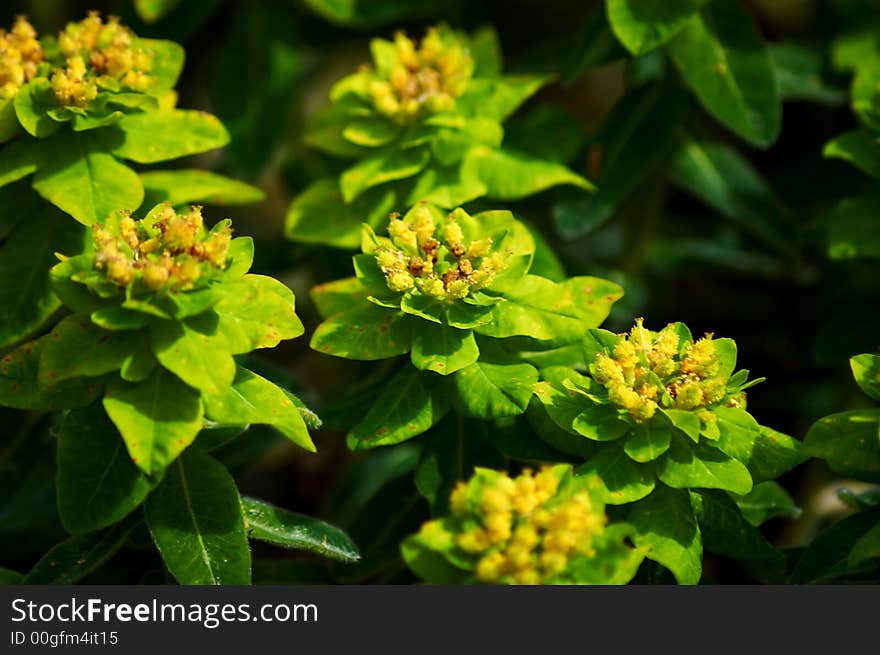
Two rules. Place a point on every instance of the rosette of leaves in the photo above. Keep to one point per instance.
(73, 105)
(454, 293)
(146, 363)
(547, 527)
(424, 122)
(661, 420)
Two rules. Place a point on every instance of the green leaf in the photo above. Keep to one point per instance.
(799, 74)
(337, 296)
(320, 215)
(666, 524)
(32, 102)
(82, 179)
(266, 522)
(685, 421)
(253, 399)
(157, 418)
(599, 422)
(829, 553)
(858, 147)
(10, 577)
(167, 63)
(443, 349)
(371, 132)
(75, 558)
(723, 59)
(849, 442)
(773, 454)
(367, 332)
(195, 517)
(511, 176)
(152, 10)
(623, 481)
(256, 312)
(496, 98)
(642, 25)
(726, 532)
(194, 351)
(485, 390)
(196, 186)
(77, 347)
(9, 125)
(381, 168)
(647, 442)
(766, 501)
(853, 229)
(866, 548)
(20, 158)
(156, 136)
(689, 465)
(634, 141)
(98, 484)
(866, 96)
(27, 300)
(20, 389)
(866, 371)
(405, 408)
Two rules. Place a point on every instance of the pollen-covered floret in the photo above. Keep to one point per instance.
(527, 529)
(646, 370)
(434, 259)
(20, 55)
(98, 52)
(423, 79)
(165, 250)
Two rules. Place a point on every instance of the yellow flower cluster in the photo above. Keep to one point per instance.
(435, 259)
(644, 366)
(94, 49)
(20, 54)
(527, 535)
(166, 250)
(426, 79)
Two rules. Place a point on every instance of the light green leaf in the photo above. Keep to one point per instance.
(687, 422)
(195, 352)
(849, 442)
(496, 98)
(77, 347)
(265, 522)
(510, 176)
(32, 102)
(253, 399)
(196, 186)
(196, 520)
(156, 136)
(382, 168)
(647, 442)
(98, 484)
(866, 371)
(623, 481)
(365, 332)
(666, 524)
(371, 132)
(20, 158)
(484, 390)
(337, 296)
(443, 349)
(152, 10)
(642, 25)
(689, 465)
(599, 422)
(405, 408)
(722, 57)
(86, 182)
(157, 418)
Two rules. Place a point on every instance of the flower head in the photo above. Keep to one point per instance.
(20, 55)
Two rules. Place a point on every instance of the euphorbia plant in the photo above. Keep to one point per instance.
(424, 122)
(452, 291)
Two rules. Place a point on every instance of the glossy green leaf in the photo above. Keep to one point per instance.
(77, 347)
(365, 332)
(196, 186)
(866, 371)
(157, 418)
(723, 59)
(75, 558)
(623, 481)
(511, 176)
(277, 526)
(766, 501)
(195, 517)
(382, 168)
(194, 351)
(98, 484)
(406, 407)
(498, 97)
(32, 103)
(642, 25)
(647, 442)
(690, 465)
(443, 349)
(152, 137)
(486, 390)
(27, 300)
(685, 421)
(83, 180)
(253, 399)
(256, 312)
(599, 422)
(666, 524)
(849, 442)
